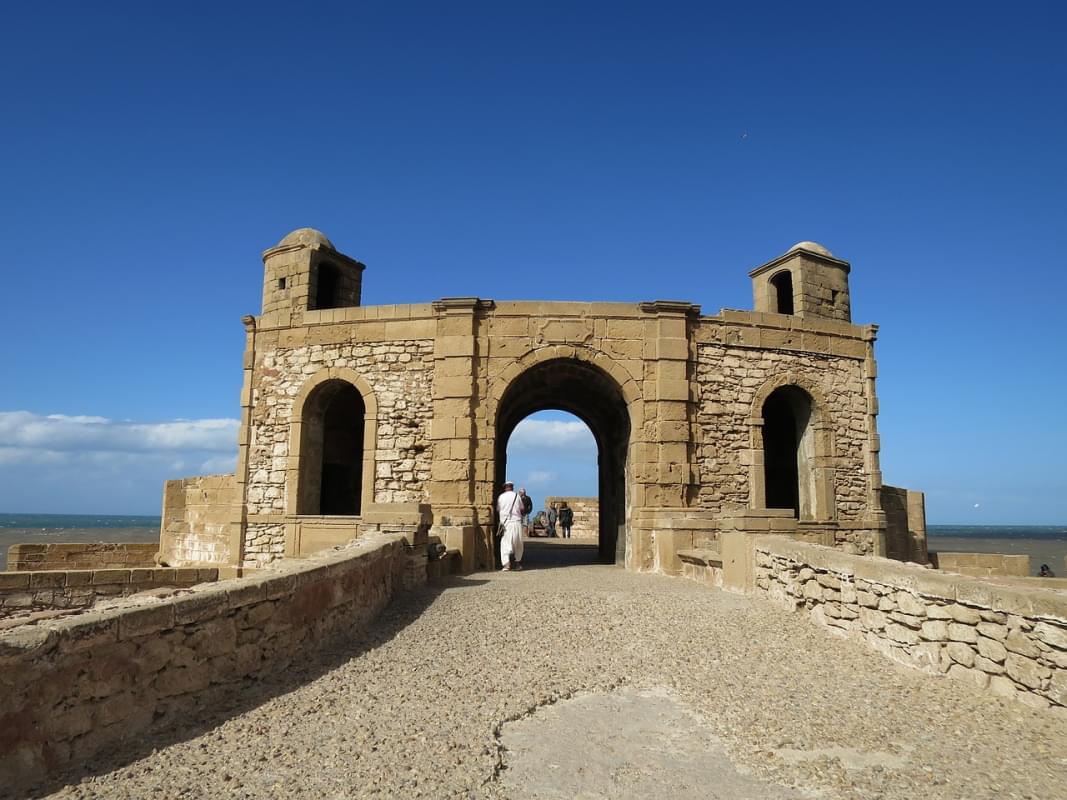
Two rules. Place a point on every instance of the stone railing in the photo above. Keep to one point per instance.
(26, 592)
(1011, 640)
(982, 565)
(80, 685)
(81, 555)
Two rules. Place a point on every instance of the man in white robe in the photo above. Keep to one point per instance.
(509, 509)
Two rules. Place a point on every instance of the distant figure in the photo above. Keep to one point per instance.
(551, 516)
(566, 519)
(1045, 572)
(527, 507)
(509, 507)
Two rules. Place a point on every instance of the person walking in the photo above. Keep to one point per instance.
(551, 517)
(566, 519)
(509, 509)
(527, 507)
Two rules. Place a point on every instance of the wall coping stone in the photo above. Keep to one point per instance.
(1029, 601)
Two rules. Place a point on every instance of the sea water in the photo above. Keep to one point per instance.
(51, 528)
(1045, 544)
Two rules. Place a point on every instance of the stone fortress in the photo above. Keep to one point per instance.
(738, 450)
(359, 419)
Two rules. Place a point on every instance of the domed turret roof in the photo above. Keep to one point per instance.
(306, 237)
(811, 247)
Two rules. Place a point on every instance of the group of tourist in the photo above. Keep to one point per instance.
(513, 509)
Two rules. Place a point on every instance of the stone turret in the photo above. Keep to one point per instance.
(305, 272)
(807, 281)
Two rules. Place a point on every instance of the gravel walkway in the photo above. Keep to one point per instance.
(419, 706)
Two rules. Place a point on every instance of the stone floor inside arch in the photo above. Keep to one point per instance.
(572, 679)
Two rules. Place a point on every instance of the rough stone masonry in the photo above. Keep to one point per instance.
(357, 418)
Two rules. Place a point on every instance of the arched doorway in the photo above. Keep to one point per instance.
(331, 451)
(590, 394)
(788, 451)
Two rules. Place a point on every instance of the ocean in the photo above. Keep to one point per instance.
(1045, 544)
(43, 528)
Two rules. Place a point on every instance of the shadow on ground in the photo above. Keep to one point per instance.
(558, 553)
(239, 697)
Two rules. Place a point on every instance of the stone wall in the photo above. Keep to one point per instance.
(76, 686)
(905, 512)
(81, 555)
(982, 565)
(728, 378)
(25, 592)
(1009, 640)
(586, 515)
(198, 525)
(400, 373)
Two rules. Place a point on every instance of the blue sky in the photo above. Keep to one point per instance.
(622, 151)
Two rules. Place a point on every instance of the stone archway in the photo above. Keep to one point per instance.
(592, 395)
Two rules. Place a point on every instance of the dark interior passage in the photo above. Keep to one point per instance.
(783, 291)
(785, 417)
(331, 479)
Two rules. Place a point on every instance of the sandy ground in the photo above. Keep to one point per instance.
(469, 688)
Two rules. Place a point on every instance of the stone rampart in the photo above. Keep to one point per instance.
(1008, 639)
(199, 524)
(981, 565)
(81, 555)
(26, 592)
(905, 513)
(76, 686)
(586, 515)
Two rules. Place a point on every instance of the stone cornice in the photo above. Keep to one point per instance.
(797, 252)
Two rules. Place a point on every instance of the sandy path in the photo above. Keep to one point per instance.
(419, 707)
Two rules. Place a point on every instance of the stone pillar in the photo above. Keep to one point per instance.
(872, 458)
(455, 392)
(239, 519)
(664, 472)
(669, 402)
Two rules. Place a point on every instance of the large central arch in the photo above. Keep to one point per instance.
(588, 392)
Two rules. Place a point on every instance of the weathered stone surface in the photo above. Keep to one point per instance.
(934, 630)
(1052, 635)
(972, 676)
(960, 653)
(1019, 642)
(962, 633)
(1026, 671)
(992, 649)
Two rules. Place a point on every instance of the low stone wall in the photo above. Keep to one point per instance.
(200, 521)
(586, 515)
(26, 592)
(982, 565)
(76, 686)
(905, 513)
(1010, 640)
(81, 555)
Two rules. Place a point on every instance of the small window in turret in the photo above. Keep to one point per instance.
(281, 283)
(328, 286)
(782, 284)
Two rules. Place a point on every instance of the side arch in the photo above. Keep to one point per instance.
(297, 430)
(821, 455)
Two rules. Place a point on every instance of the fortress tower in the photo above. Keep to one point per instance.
(305, 272)
(807, 281)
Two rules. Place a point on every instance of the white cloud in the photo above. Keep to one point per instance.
(552, 437)
(64, 463)
(540, 477)
(24, 430)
